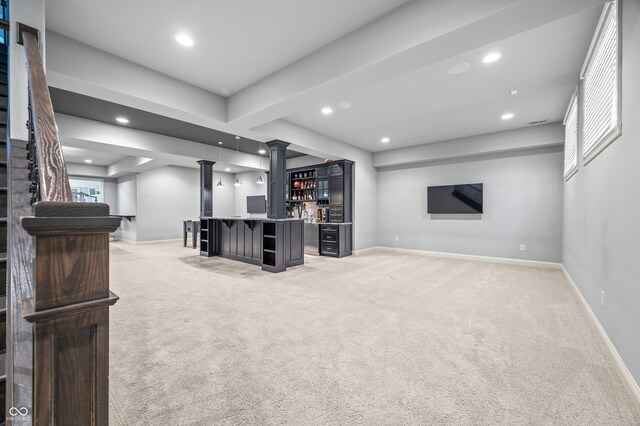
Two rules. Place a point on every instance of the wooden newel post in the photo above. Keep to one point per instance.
(70, 312)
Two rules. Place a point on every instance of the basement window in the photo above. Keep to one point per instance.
(86, 190)
(571, 138)
(601, 86)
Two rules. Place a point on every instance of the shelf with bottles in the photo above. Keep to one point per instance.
(303, 195)
(303, 175)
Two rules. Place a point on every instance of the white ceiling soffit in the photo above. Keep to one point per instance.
(74, 154)
(430, 105)
(236, 42)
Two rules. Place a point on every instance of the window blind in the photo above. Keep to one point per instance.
(571, 138)
(601, 83)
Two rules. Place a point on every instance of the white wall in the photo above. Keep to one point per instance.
(165, 197)
(522, 205)
(126, 200)
(601, 209)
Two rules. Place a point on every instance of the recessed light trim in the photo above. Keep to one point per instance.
(507, 116)
(227, 169)
(327, 110)
(185, 40)
(88, 160)
(219, 143)
(385, 140)
(122, 120)
(459, 68)
(492, 57)
(513, 92)
(262, 151)
(237, 138)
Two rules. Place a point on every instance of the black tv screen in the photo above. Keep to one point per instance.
(256, 204)
(466, 198)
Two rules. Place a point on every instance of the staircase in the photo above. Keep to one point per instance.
(3, 218)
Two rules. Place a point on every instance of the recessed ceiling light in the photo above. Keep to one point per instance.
(459, 68)
(514, 92)
(227, 169)
(262, 151)
(491, 57)
(507, 116)
(237, 137)
(185, 40)
(344, 105)
(219, 143)
(88, 160)
(385, 140)
(327, 110)
(122, 120)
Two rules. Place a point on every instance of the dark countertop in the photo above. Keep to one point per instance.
(255, 219)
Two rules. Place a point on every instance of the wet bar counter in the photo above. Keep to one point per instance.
(273, 244)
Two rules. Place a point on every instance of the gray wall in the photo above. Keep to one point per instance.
(127, 202)
(223, 198)
(601, 249)
(248, 187)
(110, 196)
(522, 205)
(166, 197)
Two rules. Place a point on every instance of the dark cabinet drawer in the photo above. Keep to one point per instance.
(330, 236)
(328, 228)
(330, 249)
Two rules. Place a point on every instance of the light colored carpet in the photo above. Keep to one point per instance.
(375, 339)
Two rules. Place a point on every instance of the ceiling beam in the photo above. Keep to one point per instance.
(89, 134)
(412, 36)
(527, 138)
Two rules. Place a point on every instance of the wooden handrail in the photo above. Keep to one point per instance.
(52, 172)
(60, 297)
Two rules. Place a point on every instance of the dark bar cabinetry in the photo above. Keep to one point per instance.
(272, 244)
(335, 239)
(330, 186)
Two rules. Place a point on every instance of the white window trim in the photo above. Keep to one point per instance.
(616, 131)
(573, 105)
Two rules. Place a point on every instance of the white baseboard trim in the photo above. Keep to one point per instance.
(618, 364)
(364, 250)
(163, 241)
(504, 260)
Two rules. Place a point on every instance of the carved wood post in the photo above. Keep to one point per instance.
(70, 312)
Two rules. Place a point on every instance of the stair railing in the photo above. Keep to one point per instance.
(60, 298)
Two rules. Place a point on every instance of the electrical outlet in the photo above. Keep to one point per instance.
(397, 238)
(602, 298)
(523, 247)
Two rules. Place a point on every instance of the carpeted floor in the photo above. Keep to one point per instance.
(375, 339)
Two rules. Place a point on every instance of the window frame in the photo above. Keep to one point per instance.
(574, 107)
(589, 153)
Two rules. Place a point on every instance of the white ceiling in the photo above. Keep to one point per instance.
(237, 42)
(407, 95)
(429, 105)
(98, 158)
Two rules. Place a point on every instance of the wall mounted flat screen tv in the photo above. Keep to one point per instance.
(466, 198)
(256, 204)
